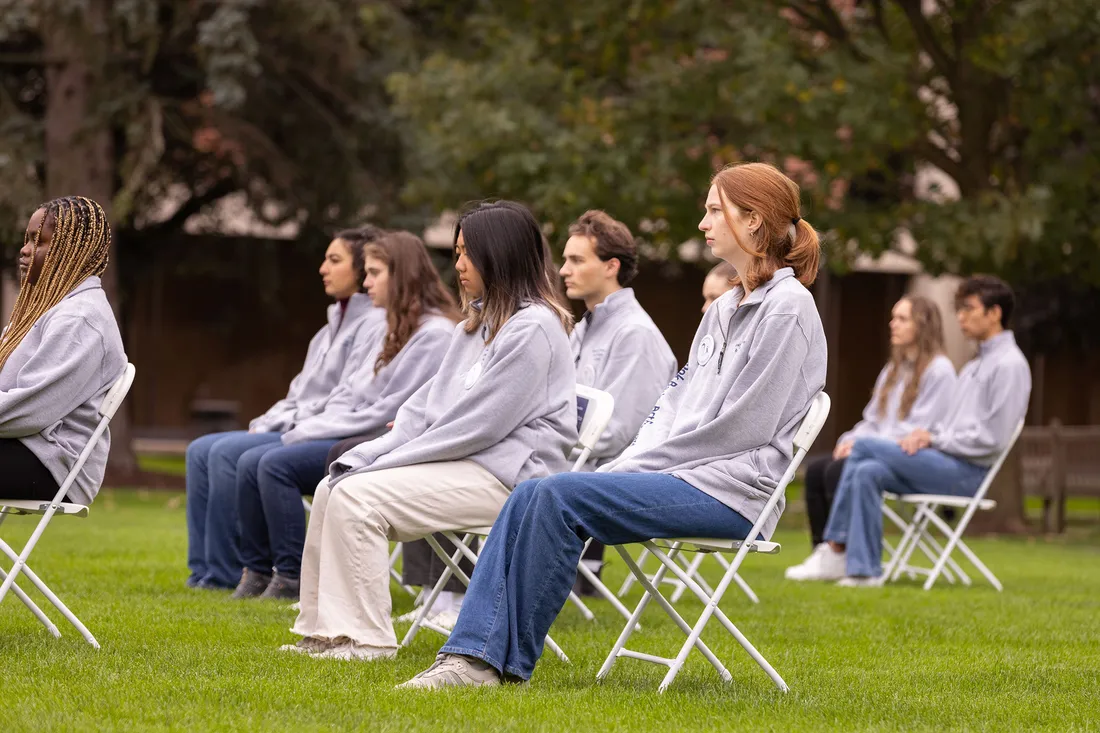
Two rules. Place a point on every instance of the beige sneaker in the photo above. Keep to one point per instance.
(308, 645)
(347, 650)
(445, 619)
(453, 670)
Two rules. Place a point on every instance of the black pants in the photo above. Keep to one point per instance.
(420, 566)
(822, 478)
(22, 475)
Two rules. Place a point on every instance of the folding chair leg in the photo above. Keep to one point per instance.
(651, 587)
(603, 590)
(22, 567)
(955, 539)
(50, 626)
(462, 546)
(692, 569)
(711, 608)
(741, 583)
(629, 577)
(429, 600)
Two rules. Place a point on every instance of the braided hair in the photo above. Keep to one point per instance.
(81, 248)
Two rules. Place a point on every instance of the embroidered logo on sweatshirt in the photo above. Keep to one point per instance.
(706, 350)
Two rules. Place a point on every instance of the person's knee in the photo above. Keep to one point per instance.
(869, 476)
(560, 491)
(198, 450)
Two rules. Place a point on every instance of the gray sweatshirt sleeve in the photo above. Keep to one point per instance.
(752, 408)
(62, 374)
(937, 385)
(417, 363)
(986, 431)
(868, 425)
(638, 374)
(512, 390)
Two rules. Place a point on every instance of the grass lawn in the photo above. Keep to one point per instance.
(893, 658)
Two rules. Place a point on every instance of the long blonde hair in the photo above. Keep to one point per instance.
(81, 248)
(929, 344)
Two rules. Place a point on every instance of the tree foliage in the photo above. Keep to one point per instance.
(280, 101)
(631, 106)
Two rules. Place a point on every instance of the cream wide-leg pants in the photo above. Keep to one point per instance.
(345, 582)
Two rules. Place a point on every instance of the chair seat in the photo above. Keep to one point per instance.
(20, 506)
(945, 500)
(706, 544)
(479, 531)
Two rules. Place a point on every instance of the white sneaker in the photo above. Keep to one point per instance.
(823, 564)
(296, 606)
(452, 670)
(352, 651)
(445, 619)
(407, 618)
(861, 582)
(308, 645)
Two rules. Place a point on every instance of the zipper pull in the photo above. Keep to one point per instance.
(721, 356)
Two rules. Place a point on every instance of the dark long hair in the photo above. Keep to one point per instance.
(356, 239)
(415, 290)
(929, 345)
(505, 245)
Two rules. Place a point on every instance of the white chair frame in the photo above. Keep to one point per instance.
(917, 530)
(803, 440)
(600, 407)
(47, 509)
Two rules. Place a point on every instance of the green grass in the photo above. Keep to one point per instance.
(895, 658)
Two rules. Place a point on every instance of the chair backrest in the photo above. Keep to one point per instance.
(594, 410)
(117, 392)
(803, 439)
(992, 473)
(111, 401)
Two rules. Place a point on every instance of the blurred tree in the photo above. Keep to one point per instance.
(160, 108)
(631, 106)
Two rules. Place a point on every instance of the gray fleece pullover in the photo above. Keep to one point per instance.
(326, 362)
(934, 395)
(365, 402)
(509, 406)
(52, 385)
(726, 423)
(617, 348)
(989, 401)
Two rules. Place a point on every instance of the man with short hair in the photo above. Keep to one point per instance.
(717, 282)
(616, 346)
(990, 399)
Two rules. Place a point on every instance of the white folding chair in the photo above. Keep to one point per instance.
(47, 509)
(803, 439)
(594, 410)
(917, 532)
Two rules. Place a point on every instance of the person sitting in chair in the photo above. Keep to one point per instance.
(704, 463)
(914, 390)
(989, 400)
(59, 355)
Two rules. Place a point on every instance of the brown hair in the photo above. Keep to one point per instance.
(929, 344)
(613, 241)
(415, 289)
(81, 248)
(762, 188)
(355, 240)
(505, 245)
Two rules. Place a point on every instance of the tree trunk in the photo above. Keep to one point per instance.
(80, 152)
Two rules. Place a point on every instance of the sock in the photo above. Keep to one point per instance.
(593, 565)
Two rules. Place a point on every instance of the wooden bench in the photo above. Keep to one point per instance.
(1057, 462)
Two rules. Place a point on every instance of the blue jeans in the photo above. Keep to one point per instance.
(876, 466)
(269, 501)
(524, 575)
(212, 529)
